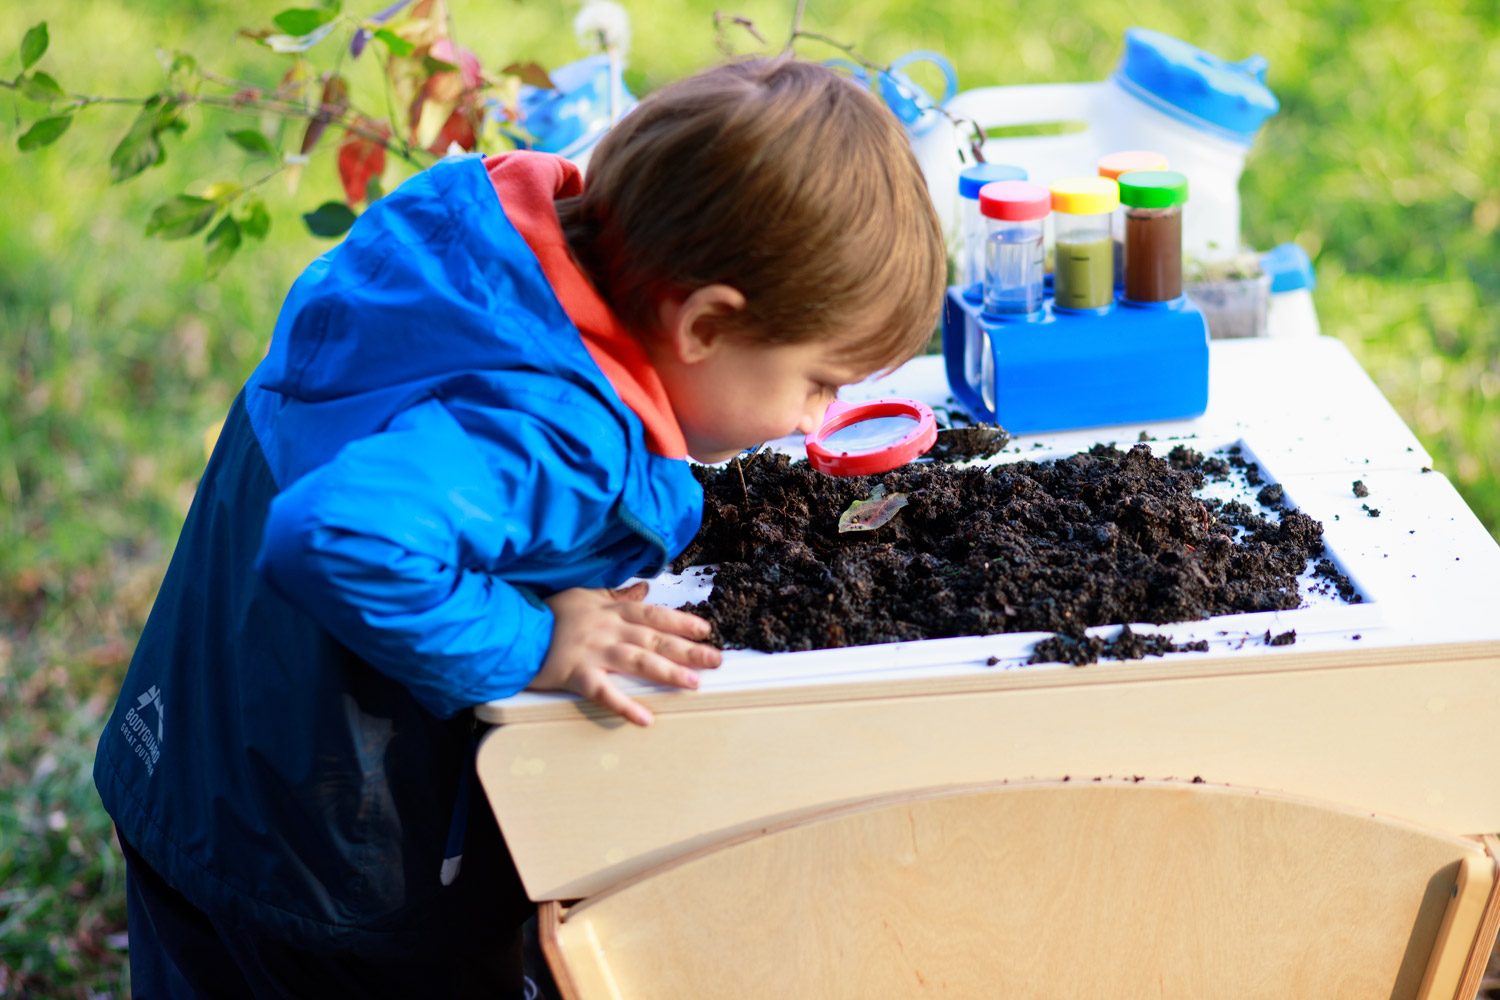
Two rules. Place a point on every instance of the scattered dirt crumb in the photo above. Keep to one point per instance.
(1360, 489)
(1284, 639)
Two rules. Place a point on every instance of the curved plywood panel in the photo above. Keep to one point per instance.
(1047, 889)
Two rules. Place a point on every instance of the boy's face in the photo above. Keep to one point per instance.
(743, 392)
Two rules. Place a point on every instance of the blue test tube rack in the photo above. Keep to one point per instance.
(1061, 369)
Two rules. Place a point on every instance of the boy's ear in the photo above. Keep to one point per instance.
(693, 325)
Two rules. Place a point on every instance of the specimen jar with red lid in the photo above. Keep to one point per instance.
(1014, 213)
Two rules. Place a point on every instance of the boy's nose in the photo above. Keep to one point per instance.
(812, 418)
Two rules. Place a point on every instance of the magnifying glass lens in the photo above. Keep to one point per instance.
(863, 439)
(876, 432)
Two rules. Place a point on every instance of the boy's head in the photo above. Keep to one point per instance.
(777, 199)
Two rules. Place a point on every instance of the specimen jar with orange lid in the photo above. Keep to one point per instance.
(1112, 166)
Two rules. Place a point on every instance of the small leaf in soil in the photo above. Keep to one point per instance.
(869, 514)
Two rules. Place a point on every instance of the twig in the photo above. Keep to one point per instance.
(351, 119)
(796, 26)
(740, 468)
(962, 124)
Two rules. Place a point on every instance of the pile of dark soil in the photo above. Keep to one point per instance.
(1101, 537)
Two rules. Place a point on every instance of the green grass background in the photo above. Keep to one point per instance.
(118, 352)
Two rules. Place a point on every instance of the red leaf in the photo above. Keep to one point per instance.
(531, 73)
(464, 59)
(335, 100)
(457, 129)
(359, 160)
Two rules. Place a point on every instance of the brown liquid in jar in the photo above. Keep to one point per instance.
(1153, 254)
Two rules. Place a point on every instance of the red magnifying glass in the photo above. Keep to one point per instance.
(863, 439)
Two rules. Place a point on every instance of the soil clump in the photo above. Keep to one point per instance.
(1081, 649)
(1101, 537)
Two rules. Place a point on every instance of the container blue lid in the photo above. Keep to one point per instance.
(1289, 267)
(1224, 98)
(977, 176)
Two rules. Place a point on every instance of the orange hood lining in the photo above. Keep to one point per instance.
(527, 183)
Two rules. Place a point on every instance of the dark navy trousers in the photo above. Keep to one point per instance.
(179, 952)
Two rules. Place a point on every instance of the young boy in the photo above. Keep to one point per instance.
(472, 423)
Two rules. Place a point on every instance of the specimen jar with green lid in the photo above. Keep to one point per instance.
(1153, 201)
(1083, 272)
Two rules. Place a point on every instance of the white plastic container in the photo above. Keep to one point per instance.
(1201, 112)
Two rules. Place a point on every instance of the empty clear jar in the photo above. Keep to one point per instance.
(1014, 213)
(1153, 201)
(1083, 269)
(1112, 166)
(970, 269)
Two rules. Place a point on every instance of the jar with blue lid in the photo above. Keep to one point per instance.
(969, 268)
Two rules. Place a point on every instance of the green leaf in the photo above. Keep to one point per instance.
(252, 142)
(222, 191)
(184, 74)
(140, 148)
(170, 117)
(330, 219)
(432, 64)
(374, 190)
(398, 45)
(181, 217)
(223, 240)
(256, 221)
(867, 515)
(298, 43)
(33, 46)
(40, 87)
(44, 133)
(303, 20)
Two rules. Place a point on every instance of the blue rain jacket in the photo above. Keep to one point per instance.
(427, 450)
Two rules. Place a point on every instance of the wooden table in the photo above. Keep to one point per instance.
(1390, 706)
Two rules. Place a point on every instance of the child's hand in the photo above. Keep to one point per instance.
(600, 632)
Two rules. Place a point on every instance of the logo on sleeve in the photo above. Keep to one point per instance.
(144, 738)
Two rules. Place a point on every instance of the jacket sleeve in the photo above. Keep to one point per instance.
(398, 546)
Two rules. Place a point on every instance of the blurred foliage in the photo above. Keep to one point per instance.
(119, 353)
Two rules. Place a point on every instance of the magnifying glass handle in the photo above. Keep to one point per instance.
(835, 408)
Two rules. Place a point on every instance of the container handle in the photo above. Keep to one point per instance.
(954, 342)
(1255, 66)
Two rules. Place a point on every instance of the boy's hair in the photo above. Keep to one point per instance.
(783, 179)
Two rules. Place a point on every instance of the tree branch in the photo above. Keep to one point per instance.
(801, 9)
